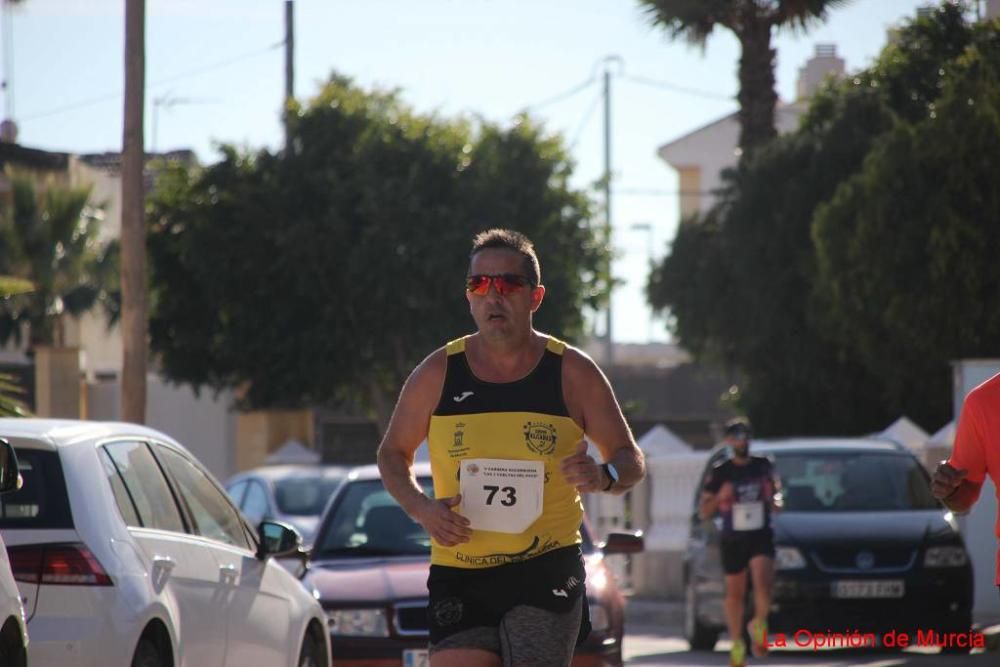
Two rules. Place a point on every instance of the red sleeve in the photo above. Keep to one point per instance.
(969, 450)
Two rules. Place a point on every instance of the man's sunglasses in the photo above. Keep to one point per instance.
(503, 283)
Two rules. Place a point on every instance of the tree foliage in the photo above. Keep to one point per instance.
(322, 276)
(908, 245)
(794, 278)
(49, 239)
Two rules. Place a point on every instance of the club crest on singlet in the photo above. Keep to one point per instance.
(540, 437)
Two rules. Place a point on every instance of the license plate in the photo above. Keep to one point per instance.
(416, 657)
(869, 588)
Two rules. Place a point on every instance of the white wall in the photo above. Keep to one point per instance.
(204, 424)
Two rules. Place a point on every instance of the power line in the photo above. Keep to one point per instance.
(561, 96)
(665, 85)
(184, 75)
(586, 121)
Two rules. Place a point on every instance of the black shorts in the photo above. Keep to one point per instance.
(738, 548)
(463, 598)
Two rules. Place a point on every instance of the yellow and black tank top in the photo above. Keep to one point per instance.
(522, 420)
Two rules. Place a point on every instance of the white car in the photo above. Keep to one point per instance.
(13, 632)
(128, 553)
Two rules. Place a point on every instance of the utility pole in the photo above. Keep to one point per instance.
(289, 67)
(135, 295)
(608, 339)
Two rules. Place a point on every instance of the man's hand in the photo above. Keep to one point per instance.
(582, 471)
(447, 527)
(946, 480)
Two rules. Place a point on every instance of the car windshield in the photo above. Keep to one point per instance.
(304, 495)
(367, 521)
(853, 482)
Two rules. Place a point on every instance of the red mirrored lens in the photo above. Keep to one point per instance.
(504, 283)
(478, 284)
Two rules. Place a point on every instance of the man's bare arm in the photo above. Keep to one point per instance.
(408, 427)
(708, 505)
(592, 402)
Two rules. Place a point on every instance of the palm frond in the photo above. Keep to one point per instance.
(10, 285)
(10, 405)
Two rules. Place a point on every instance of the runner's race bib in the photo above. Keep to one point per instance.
(748, 516)
(501, 495)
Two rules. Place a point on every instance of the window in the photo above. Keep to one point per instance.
(255, 502)
(237, 490)
(214, 517)
(853, 483)
(41, 502)
(124, 500)
(304, 495)
(145, 488)
(368, 520)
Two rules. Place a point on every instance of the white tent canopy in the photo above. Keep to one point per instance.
(944, 437)
(908, 434)
(293, 451)
(661, 441)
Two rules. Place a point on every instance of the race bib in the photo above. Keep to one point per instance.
(748, 516)
(501, 495)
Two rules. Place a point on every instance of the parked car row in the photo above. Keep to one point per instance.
(125, 551)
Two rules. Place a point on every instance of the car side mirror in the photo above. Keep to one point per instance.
(278, 540)
(10, 478)
(624, 543)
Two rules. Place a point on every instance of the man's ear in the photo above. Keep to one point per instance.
(537, 295)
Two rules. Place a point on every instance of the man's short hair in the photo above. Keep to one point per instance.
(738, 428)
(511, 240)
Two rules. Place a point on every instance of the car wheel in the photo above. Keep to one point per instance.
(12, 652)
(311, 655)
(700, 637)
(147, 654)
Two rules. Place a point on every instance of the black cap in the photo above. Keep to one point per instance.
(738, 428)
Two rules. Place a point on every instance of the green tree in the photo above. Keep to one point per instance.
(752, 22)
(324, 275)
(745, 288)
(908, 246)
(49, 239)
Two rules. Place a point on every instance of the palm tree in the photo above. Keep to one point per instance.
(10, 403)
(134, 287)
(752, 22)
(49, 246)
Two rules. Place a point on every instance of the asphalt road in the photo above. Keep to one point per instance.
(653, 637)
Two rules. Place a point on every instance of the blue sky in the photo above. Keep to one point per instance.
(215, 73)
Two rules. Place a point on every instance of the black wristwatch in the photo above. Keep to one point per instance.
(612, 472)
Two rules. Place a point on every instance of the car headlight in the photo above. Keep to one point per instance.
(357, 622)
(945, 557)
(599, 618)
(788, 558)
